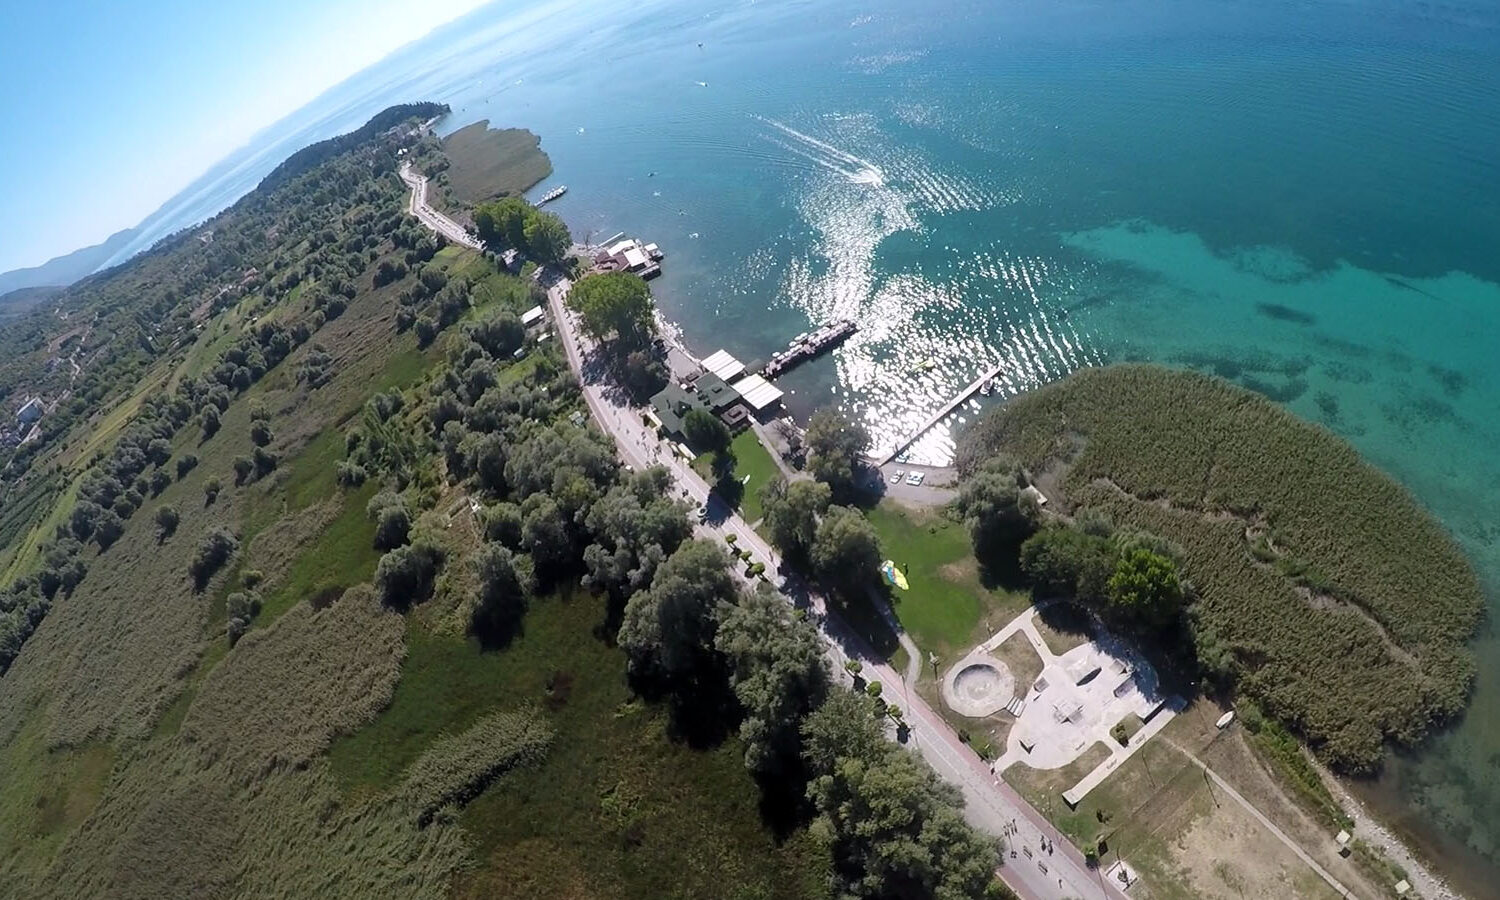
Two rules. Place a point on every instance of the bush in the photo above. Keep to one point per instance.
(213, 552)
(166, 520)
(350, 474)
(185, 464)
(211, 489)
(404, 576)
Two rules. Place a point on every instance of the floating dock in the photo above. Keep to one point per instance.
(806, 346)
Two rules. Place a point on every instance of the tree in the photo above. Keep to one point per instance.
(894, 829)
(392, 527)
(404, 576)
(211, 489)
(499, 333)
(997, 515)
(260, 433)
(159, 451)
(836, 446)
(108, 529)
(160, 481)
(185, 464)
(242, 608)
(668, 629)
(704, 431)
(778, 676)
(502, 524)
(846, 551)
(243, 467)
(1145, 588)
(209, 420)
(636, 525)
(502, 224)
(547, 238)
(791, 514)
(1061, 560)
(213, 552)
(505, 586)
(614, 305)
(166, 520)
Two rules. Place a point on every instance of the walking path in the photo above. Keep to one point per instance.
(430, 217)
(1119, 686)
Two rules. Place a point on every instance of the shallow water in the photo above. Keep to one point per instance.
(1302, 197)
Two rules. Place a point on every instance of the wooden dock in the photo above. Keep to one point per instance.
(939, 416)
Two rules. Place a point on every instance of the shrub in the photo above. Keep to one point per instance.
(404, 576)
(213, 552)
(166, 520)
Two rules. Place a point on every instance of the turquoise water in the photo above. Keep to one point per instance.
(1302, 197)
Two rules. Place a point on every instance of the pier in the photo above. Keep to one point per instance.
(806, 346)
(940, 415)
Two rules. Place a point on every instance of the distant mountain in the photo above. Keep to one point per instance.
(22, 299)
(64, 270)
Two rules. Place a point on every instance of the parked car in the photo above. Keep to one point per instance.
(915, 478)
(896, 476)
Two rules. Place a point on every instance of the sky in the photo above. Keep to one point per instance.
(112, 107)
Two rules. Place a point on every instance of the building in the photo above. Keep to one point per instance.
(630, 255)
(723, 365)
(759, 394)
(533, 316)
(671, 405)
(30, 411)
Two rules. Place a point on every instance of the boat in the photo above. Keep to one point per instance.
(988, 387)
(553, 194)
(926, 365)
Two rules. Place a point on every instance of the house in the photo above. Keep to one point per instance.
(630, 255)
(671, 405)
(30, 411)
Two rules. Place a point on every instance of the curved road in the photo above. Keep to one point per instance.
(991, 805)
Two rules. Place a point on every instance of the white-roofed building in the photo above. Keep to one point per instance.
(723, 365)
(758, 392)
(532, 316)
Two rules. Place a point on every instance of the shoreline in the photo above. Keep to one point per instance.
(1385, 839)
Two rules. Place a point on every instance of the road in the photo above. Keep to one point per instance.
(430, 217)
(1033, 872)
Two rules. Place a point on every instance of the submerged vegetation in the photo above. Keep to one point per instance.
(1321, 589)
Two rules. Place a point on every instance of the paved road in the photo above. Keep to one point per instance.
(1035, 873)
(430, 217)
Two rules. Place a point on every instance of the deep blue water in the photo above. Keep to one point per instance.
(1302, 196)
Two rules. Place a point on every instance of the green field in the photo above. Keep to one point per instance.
(751, 459)
(615, 806)
(947, 610)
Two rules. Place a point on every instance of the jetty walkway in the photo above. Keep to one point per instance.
(900, 447)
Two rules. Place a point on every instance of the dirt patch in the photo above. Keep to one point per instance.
(1260, 866)
(1020, 657)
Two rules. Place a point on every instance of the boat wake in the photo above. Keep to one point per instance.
(854, 168)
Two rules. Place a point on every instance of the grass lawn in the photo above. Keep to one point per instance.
(946, 610)
(750, 458)
(617, 809)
